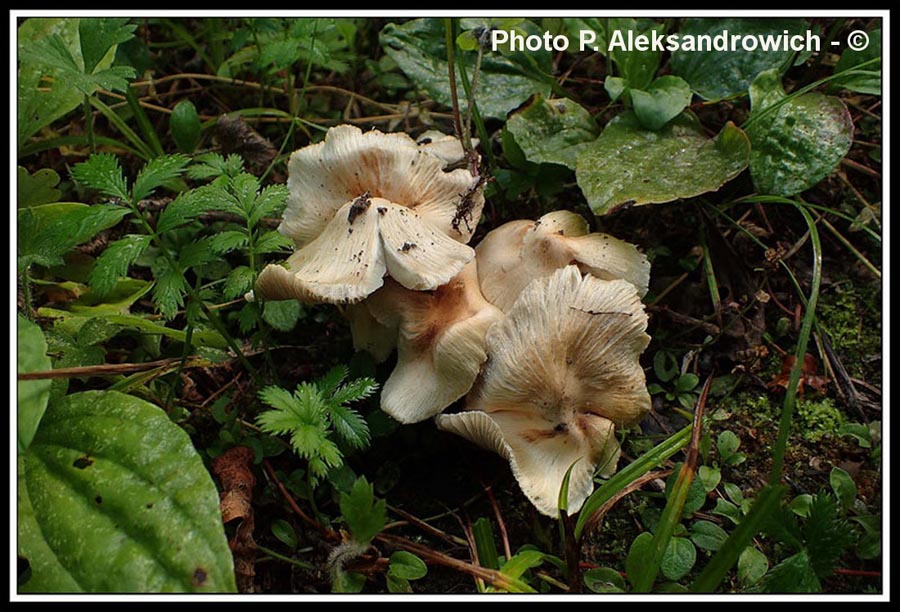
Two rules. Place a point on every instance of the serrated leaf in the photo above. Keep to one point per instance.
(114, 261)
(282, 314)
(102, 172)
(196, 253)
(329, 382)
(799, 143)
(628, 164)
(114, 498)
(185, 127)
(168, 292)
(663, 100)
(350, 426)
(722, 74)
(678, 559)
(156, 172)
(186, 207)
(99, 34)
(826, 534)
(355, 390)
(272, 242)
(36, 189)
(210, 165)
(793, 575)
(419, 48)
(31, 395)
(269, 203)
(552, 131)
(406, 565)
(227, 241)
(239, 282)
(363, 514)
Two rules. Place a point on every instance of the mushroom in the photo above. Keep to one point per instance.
(447, 148)
(369, 334)
(363, 205)
(440, 347)
(562, 374)
(517, 252)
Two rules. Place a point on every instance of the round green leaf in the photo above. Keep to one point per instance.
(552, 131)
(709, 476)
(752, 566)
(114, 498)
(638, 555)
(419, 48)
(727, 443)
(184, 124)
(707, 535)
(721, 74)
(32, 395)
(663, 100)
(407, 566)
(284, 531)
(36, 189)
(843, 486)
(630, 165)
(678, 559)
(282, 314)
(604, 580)
(798, 144)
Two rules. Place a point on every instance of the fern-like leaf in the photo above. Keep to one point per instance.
(328, 383)
(114, 262)
(103, 173)
(355, 390)
(156, 172)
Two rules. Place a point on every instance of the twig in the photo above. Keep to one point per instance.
(503, 535)
(328, 532)
(110, 369)
(426, 527)
(677, 317)
(861, 168)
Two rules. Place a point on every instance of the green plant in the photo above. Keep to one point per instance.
(679, 387)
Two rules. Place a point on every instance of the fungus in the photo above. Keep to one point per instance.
(517, 252)
(356, 200)
(446, 148)
(440, 346)
(562, 374)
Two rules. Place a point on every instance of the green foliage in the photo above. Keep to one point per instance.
(552, 131)
(107, 486)
(867, 80)
(818, 418)
(184, 125)
(36, 189)
(662, 101)
(31, 396)
(316, 418)
(404, 566)
(364, 515)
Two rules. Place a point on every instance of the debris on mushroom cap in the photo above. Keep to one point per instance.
(516, 253)
(323, 177)
(562, 374)
(440, 348)
(367, 238)
(447, 148)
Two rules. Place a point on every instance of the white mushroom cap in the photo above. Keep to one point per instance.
(367, 238)
(562, 373)
(369, 334)
(323, 177)
(446, 148)
(516, 253)
(440, 348)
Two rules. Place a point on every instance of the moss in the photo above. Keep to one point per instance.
(851, 314)
(760, 408)
(816, 418)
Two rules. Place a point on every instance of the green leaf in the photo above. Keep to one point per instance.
(869, 81)
(615, 87)
(273, 242)
(826, 534)
(184, 125)
(801, 504)
(552, 131)
(100, 34)
(483, 535)
(407, 566)
(686, 382)
(419, 48)
(797, 144)
(722, 74)
(281, 314)
(728, 510)
(114, 261)
(354, 390)
(396, 584)
(168, 291)
(521, 562)
(707, 535)
(793, 575)
(284, 531)
(843, 486)
(157, 171)
(32, 395)
(269, 203)
(114, 498)
(727, 443)
(663, 100)
(604, 580)
(709, 476)
(696, 493)
(35, 189)
(678, 559)
(638, 556)
(364, 516)
(239, 281)
(752, 566)
(636, 66)
(102, 172)
(350, 426)
(228, 240)
(858, 431)
(348, 582)
(628, 164)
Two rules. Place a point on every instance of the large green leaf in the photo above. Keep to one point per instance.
(867, 81)
(552, 131)
(663, 100)
(798, 144)
(419, 48)
(628, 164)
(114, 498)
(720, 74)
(31, 395)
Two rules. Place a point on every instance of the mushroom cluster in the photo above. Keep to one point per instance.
(538, 330)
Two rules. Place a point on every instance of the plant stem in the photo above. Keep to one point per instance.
(280, 557)
(89, 123)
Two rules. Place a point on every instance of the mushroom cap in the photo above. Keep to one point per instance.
(367, 238)
(516, 253)
(323, 177)
(563, 372)
(369, 334)
(446, 148)
(440, 348)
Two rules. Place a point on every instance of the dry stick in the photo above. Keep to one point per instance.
(874, 209)
(108, 369)
(862, 258)
(861, 168)
(503, 535)
(413, 520)
(683, 319)
(493, 577)
(328, 532)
